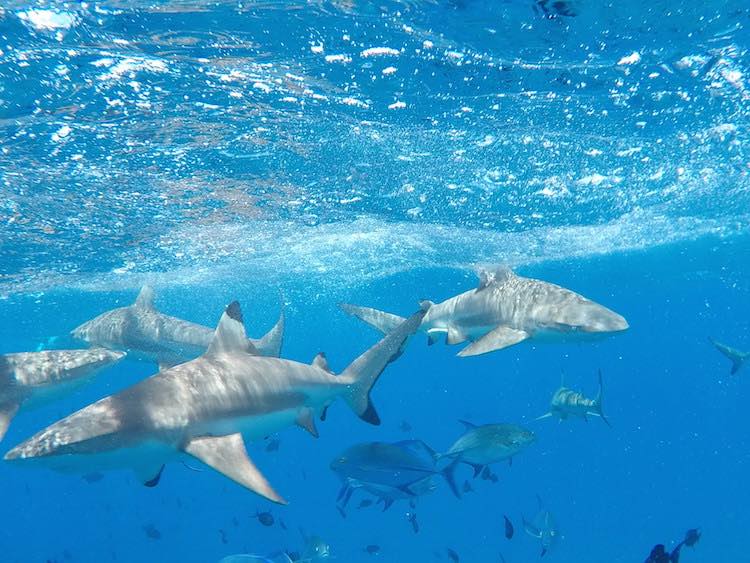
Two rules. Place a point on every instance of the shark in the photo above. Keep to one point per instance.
(148, 334)
(542, 527)
(503, 310)
(567, 403)
(33, 378)
(738, 358)
(206, 408)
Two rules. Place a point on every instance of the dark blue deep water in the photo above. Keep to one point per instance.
(375, 153)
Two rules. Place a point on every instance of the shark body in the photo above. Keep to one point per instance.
(738, 358)
(147, 334)
(29, 378)
(503, 310)
(206, 406)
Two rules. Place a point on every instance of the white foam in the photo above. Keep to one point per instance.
(48, 20)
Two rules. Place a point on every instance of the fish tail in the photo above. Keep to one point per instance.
(450, 476)
(363, 372)
(382, 321)
(271, 342)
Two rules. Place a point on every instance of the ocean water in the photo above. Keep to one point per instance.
(317, 152)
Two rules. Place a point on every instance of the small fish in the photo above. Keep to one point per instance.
(93, 477)
(508, 527)
(405, 426)
(659, 555)
(692, 536)
(372, 549)
(467, 487)
(412, 517)
(452, 555)
(364, 503)
(273, 445)
(223, 535)
(152, 532)
(265, 518)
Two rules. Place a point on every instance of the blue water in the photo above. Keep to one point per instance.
(229, 150)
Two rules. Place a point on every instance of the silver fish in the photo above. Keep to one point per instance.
(482, 445)
(503, 310)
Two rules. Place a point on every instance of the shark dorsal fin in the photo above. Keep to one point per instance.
(321, 362)
(468, 425)
(488, 276)
(230, 332)
(145, 297)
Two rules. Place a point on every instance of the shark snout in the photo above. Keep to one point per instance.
(592, 317)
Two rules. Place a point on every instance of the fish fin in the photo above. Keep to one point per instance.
(342, 512)
(149, 476)
(306, 420)
(449, 473)
(165, 365)
(342, 492)
(738, 358)
(455, 336)
(488, 276)
(364, 372)
(548, 415)
(387, 502)
(510, 461)
(406, 489)
(321, 362)
(477, 469)
(496, 339)
(145, 298)
(599, 409)
(230, 332)
(271, 342)
(384, 322)
(324, 413)
(7, 412)
(544, 552)
(530, 529)
(468, 425)
(227, 455)
(433, 335)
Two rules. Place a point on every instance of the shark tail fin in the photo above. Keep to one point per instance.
(270, 344)
(363, 372)
(598, 400)
(384, 322)
(737, 357)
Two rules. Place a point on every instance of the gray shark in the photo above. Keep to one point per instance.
(542, 527)
(206, 406)
(738, 358)
(30, 378)
(503, 310)
(566, 402)
(150, 335)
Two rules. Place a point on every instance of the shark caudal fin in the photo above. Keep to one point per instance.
(598, 400)
(384, 322)
(738, 358)
(7, 412)
(270, 344)
(363, 372)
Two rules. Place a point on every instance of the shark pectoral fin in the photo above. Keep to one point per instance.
(432, 336)
(548, 415)
(149, 475)
(455, 336)
(306, 420)
(530, 529)
(7, 412)
(497, 339)
(228, 456)
(468, 425)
